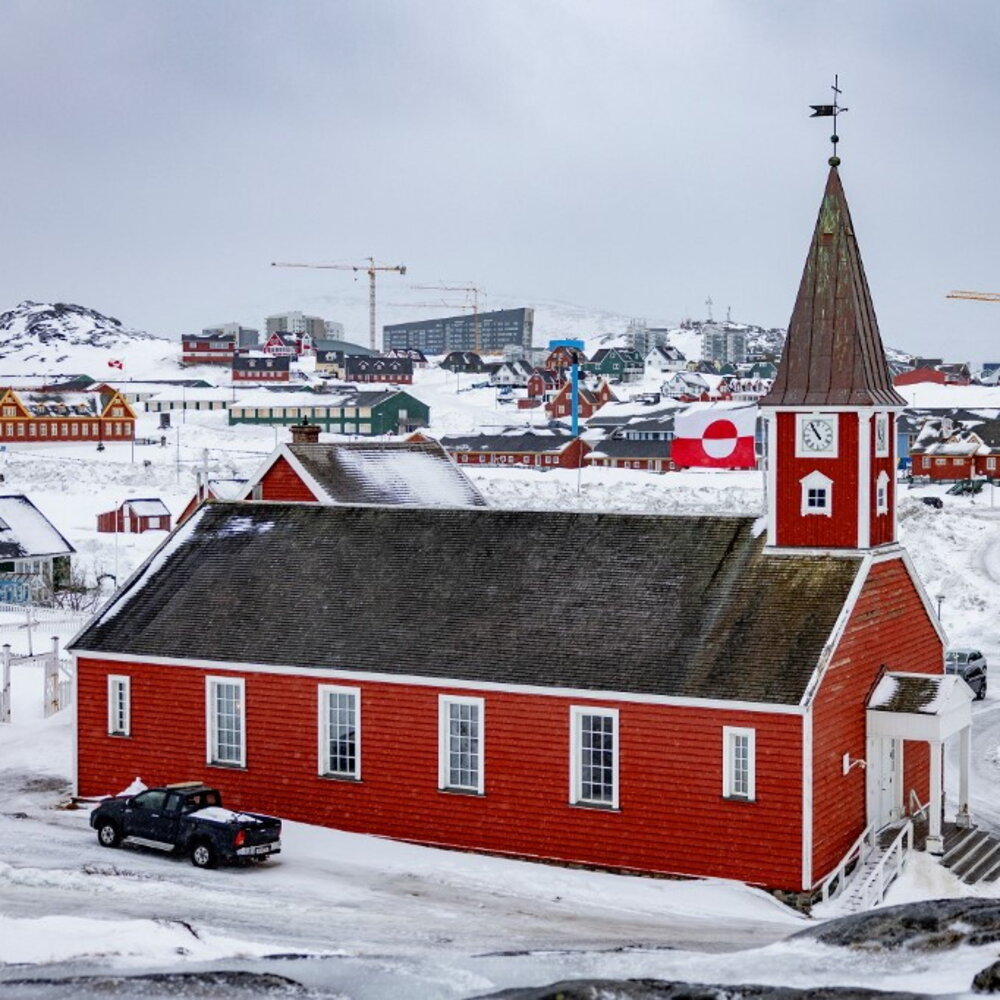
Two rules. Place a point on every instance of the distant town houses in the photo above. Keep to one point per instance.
(347, 411)
(398, 371)
(619, 364)
(102, 415)
(589, 401)
(261, 368)
(662, 359)
(959, 445)
(463, 362)
(533, 447)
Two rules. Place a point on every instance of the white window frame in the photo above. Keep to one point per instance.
(212, 685)
(729, 736)
(817, 481)
(882, 493)
(119, 712)
(576, 715)
(882, 419)
(325, 768)
(445, 702)
(991, 463)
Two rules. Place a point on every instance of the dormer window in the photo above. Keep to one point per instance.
(817, 494)
(882, 493)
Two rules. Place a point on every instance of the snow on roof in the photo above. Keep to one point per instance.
(920, 694)
(226, 489)
(406, 475)
(147, 507)
(177, 394)
(59, 404)
(25, 531)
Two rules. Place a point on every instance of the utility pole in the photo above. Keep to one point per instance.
(371, 268)
(469, 289)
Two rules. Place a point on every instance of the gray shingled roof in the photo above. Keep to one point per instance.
(681, 606)
(397, 472)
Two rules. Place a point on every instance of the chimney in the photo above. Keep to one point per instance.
(305, 433)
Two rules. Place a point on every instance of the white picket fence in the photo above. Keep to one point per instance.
(58, 678)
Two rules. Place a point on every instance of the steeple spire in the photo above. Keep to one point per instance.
(833, 354)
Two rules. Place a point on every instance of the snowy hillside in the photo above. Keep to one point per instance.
(42, 338)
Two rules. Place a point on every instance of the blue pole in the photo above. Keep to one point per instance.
(575, 393)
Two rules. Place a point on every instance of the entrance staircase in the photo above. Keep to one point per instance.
(972, 854)
(862, 879)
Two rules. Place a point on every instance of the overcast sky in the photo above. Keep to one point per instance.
(623, 155)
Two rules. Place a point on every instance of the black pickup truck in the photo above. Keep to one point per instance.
(187, 818)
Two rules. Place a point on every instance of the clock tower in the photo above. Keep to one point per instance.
(831, 412)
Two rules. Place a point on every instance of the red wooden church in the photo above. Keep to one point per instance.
(474, 678)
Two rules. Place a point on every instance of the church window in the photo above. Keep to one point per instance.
(817, 494)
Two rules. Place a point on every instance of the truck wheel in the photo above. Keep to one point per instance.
(203, 855)
(107, 834)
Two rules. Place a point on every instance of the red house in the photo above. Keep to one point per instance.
(543, 449)
(590, 400)
(136, 516)
(99, 415)
(386, 472)
(519, 697)
(949, 449)
(215, 348)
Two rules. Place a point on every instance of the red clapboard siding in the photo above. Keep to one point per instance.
(818, 531)
(888, 630)
(672, 817)
(882, 532)
(282, 482)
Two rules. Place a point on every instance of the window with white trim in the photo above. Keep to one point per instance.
(593, 756)
(817, 494)
(882, 435)
(119, 705)
(225, 721)
(882, 493)
(460, 743)
(739, 763)
(339, 732)
(991, 464)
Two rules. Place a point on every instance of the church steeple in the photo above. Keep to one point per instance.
(831, 410)
(833, 354)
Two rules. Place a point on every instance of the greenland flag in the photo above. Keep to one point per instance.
(113, 363)
(715, 437)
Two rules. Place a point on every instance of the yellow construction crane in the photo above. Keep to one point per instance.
(469, 289)
(978, 296)
(371, 268)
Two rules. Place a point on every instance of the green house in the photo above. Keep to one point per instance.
(365, 413)
(621, 364)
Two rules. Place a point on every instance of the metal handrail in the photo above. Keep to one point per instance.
(881, 878)
(833, 884)
(921, 810)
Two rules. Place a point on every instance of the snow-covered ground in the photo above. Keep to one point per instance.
(379, 919)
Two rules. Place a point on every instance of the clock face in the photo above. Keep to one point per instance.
(817, 434)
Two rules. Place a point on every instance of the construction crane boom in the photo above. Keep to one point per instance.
(469, 288)
(978, 296)
(371, 268)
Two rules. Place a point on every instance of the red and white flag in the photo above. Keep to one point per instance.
(114, 363)
(714, 437)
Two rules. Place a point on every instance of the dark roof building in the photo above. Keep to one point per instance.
(702, 574)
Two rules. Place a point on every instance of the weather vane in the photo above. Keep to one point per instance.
(831, 111)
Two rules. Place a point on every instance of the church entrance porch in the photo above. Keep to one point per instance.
(918, 708)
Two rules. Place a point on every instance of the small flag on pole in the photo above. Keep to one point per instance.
(824, 110)
(114, 363)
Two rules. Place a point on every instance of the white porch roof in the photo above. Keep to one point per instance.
(928, 707)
